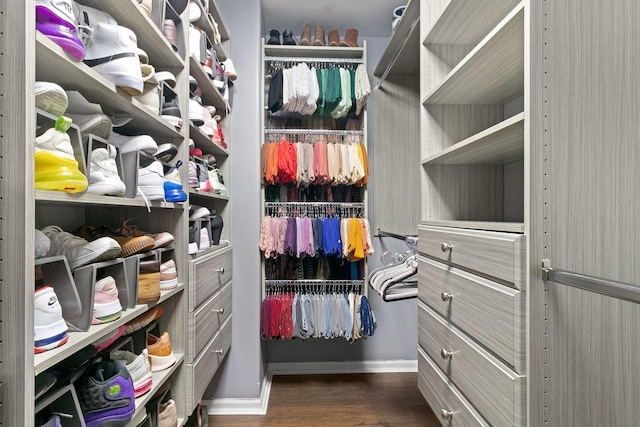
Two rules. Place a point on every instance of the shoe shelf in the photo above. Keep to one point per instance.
(54, 65)
(499, 144)
(492, 73)
(313, 52)
(158, 380)
(78, 340)
(207, 26)
(210, 94)
(150, 38)
(467, 22)
(91, 199)
(205, 143)
(402, 55)
(207, 195)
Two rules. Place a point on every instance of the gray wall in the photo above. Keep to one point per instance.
(241, 374)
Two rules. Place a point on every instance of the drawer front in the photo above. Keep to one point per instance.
(200, 373)
(205, 321)
(499, 255)
(207, 274)
(497, 392)
(443, 397)
(491, 313)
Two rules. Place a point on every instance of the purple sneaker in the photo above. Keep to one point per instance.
(106, 395)
(55, 19)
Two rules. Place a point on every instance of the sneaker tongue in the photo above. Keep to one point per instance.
(63, 124)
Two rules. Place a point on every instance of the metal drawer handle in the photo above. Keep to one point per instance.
(446, 296)
(220, 270)
(221, 351)
(219, 310)
(446, 414)
(446, 354)
(446, 247)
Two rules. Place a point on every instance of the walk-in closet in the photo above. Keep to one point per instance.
(266, 212)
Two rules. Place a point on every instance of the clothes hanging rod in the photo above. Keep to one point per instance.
(314, 282)
(337, 204)
(314, 131)
(312, 59)
(382, 233)
(611, 288)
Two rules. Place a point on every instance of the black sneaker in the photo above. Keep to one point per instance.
(194, 236)
(274, 37)
(106, 395)
(287, 38)
(171, 112)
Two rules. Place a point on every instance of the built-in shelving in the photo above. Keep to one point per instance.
(402, 55)
(492, 73)
(207, 26)
(54, 65)
(207, 195)
(468, 22)
(210, 93)
(91, 199)
(157, 380)
(506, 227)
(205, 143)
(499, 144)
(78, 340)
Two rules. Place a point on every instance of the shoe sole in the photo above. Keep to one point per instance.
(99, 126)
(169, 284)
(162, 239)
(106, 319)
(193, 248)
(173, 120)
(53, 172)
(142, 321)
(114, 187)
(152, 192)
(160, 363)
(137, 245)
(55, 344)
(51, 26)
(132, 85)
(50, 99)
(50, 336)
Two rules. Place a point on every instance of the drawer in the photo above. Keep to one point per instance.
(443, 397)
(491, 313)
(499, 255)
(200, 372)
(207, 274)
(205, 321)
(494, 390)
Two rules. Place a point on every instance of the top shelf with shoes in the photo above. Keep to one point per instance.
(317, 52)
(150, 38)
(211, 24)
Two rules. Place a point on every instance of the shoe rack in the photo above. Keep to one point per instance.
(32, 57)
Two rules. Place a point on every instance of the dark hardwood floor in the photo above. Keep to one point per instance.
(389, 399)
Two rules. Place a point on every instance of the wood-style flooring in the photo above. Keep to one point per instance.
(389, 399)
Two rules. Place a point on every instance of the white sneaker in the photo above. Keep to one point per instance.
(94, 124)
(42, 244)
(168, 275)
(103, 173)
(77, 250)
(51, 98)
(50, 329)
(112, 51)
(150, 96)
(87, 17)
(204, 239)
(106, 305)
(229, 69)
(139, 368)
(56, 141)
(129, 144)
(216, 187)
(196, 212)
(208, 126)
(195, 42)
(151, 180)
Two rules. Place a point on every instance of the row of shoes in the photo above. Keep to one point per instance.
(204, 117)
(109, 378)
(204, 174)
(56, 167)
(333, 37)
(205, 228)
(111, 50)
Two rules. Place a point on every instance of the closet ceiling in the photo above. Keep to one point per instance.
(371, 18)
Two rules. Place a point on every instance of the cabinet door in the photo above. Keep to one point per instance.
(584, 206)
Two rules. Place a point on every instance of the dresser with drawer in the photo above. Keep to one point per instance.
(471, 325)
(208, 319)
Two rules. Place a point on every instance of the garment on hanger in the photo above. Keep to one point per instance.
(397, 280)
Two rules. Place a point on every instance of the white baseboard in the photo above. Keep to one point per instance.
(258, 406)
(349, 367)
(233, 406)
